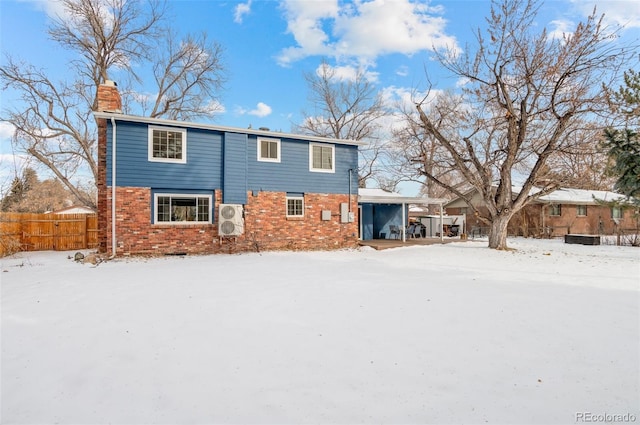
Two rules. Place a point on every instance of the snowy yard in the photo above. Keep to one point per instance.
(451, 333)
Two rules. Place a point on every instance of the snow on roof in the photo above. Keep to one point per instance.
(74, 210)
(581, 196)
(377, 192)
(381, 196)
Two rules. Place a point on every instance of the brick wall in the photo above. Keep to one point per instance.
(266, 226)
(101, 185)
(108, 99)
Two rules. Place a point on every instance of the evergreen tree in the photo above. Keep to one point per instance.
(14, 196)
(623, 147)
(19, 189)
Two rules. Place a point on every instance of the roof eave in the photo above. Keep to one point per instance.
(266, 133)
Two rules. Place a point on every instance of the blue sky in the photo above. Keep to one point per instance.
(270, 44)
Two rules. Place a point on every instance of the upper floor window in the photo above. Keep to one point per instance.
(179, 208)
(555, 210)
(167, 144)
(268, 149)
(581, 210)
(321, 158)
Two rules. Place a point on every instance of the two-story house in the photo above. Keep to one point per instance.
(177, 187)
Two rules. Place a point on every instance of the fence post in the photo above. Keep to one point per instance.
(85, 243)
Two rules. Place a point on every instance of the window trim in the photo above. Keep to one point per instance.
(259, 149)
(552, 208)
(333, 158)
(152, 158)
(620, 212)
(578, 207)
(293, 198)
(182, 195)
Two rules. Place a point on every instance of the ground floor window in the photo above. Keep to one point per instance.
(295, 206)
(178, 208)
(555, 210)
(581, 210)
(616, 212)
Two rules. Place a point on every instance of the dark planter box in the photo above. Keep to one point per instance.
(582, 239)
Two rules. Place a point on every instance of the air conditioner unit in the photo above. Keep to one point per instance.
(230, 220)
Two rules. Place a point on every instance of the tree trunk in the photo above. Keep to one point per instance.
(498, 232)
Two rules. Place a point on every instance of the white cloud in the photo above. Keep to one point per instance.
(241, 10)
(215, 107)
(625, 13)
(261, 110)
(363, 29)
(53, 8)
(560, 28)
(402, 71)
(348, 72)
(6, 130)
(305, 23)
(406, 98)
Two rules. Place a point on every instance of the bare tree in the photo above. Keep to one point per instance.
(417, 153)
(524, 94)
(580, 163)
(347, 108)
(53, 121)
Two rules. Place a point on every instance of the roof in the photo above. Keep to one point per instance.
(562, 196)
(580, 196)
(74, 210)
(380, 196)
(257, 132)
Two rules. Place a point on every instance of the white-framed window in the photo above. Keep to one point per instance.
(581, 210)
(295, 206)
(555, 210)
(172, 208)
(268, 149)
(322, 158)
(167, 144)
(616, 212)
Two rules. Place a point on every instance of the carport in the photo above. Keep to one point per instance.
(381, 210)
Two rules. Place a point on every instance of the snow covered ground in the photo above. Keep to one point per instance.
(453, 333)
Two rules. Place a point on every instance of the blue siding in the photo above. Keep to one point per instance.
(378, 217)
(234, 190)
(292, 173)
(218, 160)
(202, 170)
(366, 218)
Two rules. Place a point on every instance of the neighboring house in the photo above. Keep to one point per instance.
(560, 212)
(74, 210)
(183, 187)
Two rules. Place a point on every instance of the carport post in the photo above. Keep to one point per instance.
(441, 224)
(404, 225)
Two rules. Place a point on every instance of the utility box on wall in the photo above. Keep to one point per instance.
(346, 216)
(326, 215)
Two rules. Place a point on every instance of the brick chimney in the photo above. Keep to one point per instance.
(109, 98)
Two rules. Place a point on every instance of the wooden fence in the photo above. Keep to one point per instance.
(42, 232)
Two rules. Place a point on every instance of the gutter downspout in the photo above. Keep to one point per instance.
(113, 188)
(350, 171)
